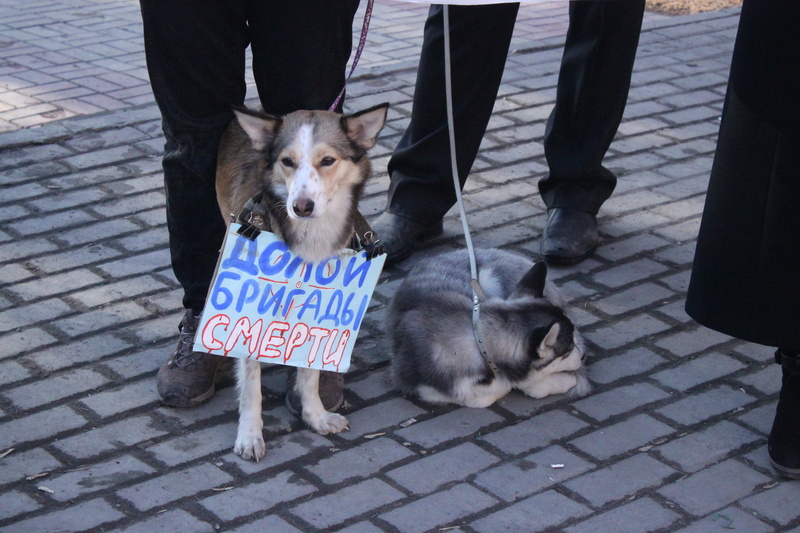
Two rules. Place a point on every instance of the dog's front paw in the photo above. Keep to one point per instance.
(326, 422)
(250, 446)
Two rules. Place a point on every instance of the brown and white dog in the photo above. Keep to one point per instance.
(310, 168)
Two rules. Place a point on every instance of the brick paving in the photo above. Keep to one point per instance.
(671, 440)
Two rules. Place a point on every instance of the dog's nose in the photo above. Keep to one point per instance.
(303, 208)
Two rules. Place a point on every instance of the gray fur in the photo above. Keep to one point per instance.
(434, 352)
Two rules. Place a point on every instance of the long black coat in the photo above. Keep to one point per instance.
(746, 276)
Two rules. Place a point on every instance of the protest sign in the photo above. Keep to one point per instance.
(267, 304)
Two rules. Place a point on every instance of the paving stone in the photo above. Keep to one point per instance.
(98, 476)
(438, 509)
(110, 437)
(78, 517)
(365, 460)
(15, 343)
(621, 479)
(55, 388)
(194, 445)
(270, 523)
(65, 355)
(433, 471)
(760, 418)
(541, 430)
(726, 519)
(638, 516)
(622, 437)
(633, 298)
(385, 415)
(701, 370)
(626, 331)
(120, 399)
(623, 399)
(713, 488)
(56, 285)
(685, 343)
(635, 362)
(175, 520)
(778, 502)
(41, 425)
(520, 478)
(460, 423)
(536, 513)
(14, 503)
(109, 315)
(767, 381)
(174, 485)
(28, 315)
(697, 450)
(702, 406)
(329, 510)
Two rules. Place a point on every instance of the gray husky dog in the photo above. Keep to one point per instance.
(532, 344)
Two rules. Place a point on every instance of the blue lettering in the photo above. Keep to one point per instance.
(289, 300)
(332, 313)
(247, 294)
(320, 271)
(221, 298)
(249, 263)
(350, 273)
(265, 259)
(271, 300)
(362, 309)
(313, 302)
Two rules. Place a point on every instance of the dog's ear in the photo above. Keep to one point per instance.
(363, 127)
(546, 348)
(261, 128)
(532, 283)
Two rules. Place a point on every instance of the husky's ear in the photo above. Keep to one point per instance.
(532, 283)
(261, 128)
(363, 127)
(546, 347)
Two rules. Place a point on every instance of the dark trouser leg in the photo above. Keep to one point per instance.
(300, 52)
(195, 57)
(421, 177)
(592, 91)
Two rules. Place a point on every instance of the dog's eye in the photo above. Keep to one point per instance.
(287, 162)
(327, 161)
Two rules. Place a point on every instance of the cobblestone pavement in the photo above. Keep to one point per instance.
(672, 439)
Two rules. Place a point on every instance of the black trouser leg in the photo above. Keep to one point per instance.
(592, 91)
(421, 174)
(195, 58)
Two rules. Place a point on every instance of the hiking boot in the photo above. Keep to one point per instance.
(331, 392)
(187, 378)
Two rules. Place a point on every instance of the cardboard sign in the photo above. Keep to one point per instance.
(269, 305)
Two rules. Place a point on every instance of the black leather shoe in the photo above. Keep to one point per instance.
(784, 439)
(569, 237)
(399, 235)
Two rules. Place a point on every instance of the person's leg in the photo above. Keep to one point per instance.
(421, 189)
(300, 52)
(592, 91)
(195, 59)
